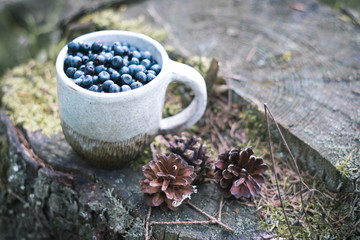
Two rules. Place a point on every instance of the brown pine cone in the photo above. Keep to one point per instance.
(239, 173)
(167, 181)
(195, 153)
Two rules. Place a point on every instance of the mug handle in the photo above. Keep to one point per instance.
(192, 113)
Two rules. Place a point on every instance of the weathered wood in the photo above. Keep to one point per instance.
(301, 60)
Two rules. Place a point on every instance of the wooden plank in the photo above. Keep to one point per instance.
(304, 62)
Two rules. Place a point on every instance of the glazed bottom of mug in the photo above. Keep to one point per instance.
(107, 155)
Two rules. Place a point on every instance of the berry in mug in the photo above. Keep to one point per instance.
(118, 67)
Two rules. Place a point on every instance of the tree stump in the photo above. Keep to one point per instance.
(48, 192)
(302, 59)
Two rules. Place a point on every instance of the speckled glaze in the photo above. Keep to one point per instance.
(110, 129)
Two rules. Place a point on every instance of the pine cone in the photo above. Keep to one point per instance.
(167, 181)
(239, 173)
(194, 152)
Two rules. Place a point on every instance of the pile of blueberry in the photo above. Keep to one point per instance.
(104, 68)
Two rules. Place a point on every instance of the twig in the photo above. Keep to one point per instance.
(272, 161)
(212, 219)
(182, 222)
(301, 182)
(251, 54)
(220, 207)
(147, 237)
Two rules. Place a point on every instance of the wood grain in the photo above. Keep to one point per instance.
(304, 64)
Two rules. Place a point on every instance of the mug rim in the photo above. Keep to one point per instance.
(63, 54)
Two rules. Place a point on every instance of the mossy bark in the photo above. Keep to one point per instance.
(38, 202)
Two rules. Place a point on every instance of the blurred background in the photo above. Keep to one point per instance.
(32, 28)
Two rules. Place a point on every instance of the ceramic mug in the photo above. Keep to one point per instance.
(109, 129)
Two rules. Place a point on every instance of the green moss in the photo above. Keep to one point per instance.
(141, 160)
(113, 19)
(201, 64)
(178, 95)
(29, 96)
(317, 224)
(253, 123)
(343, 166)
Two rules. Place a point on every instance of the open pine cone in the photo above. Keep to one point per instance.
(194, 152)
(167, 181)
(239, 173)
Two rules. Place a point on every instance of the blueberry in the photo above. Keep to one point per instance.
(146, 63)
(87, 81)
(103, 76)
(132, 48)
(110, 70)
(79, 54)
(125, 44)
(132, 69)
(78, 82)
(100, 68)
(85, 48)
(125, 88)
(76, 62)
(135, 54)
(135, 69)
(92, 56)
(108, 57)
(115, 76)
(85, 59)
(94, 64)
(124, 70)
(95, 79)
(82, 68)
(126, 50)
(114, 88)
(78, 74)
(120, 50)
(150, 77)
(134, 61)
(89, 70)
(141, 77)
(117, 62)
(150, 71)
(73, 47)
(135, 85)
(89, 63)
(106, 48)
(115, 44)
(97, 47)
(100, 60)
(156, 68)
(107, 84)
(146, 55)
(68, 61)
(140, 68)
(94, 88)
(70, 72)
(126, 79)
(126, 61)
(100, 88)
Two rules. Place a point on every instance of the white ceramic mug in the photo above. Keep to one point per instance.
(109, 129)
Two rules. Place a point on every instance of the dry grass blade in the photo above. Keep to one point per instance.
(276, 178)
